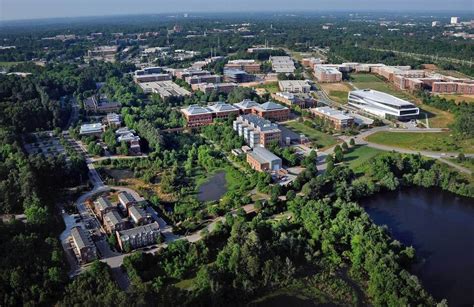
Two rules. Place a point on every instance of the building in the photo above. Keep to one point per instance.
(113, 120)
(128, 136)
(102, 53)
(151, 78)
(262, 160)
(203, 79)
(338, 119)
(302, 100)
(310, 62)
(184, 73)
(327, 74)
(197, 116)
(294, 86)
(282, 64)
(382, 104)
(256, 130)
(102, 206)
(114, 222)
(225, 88)
(435, 23)
(223, 110)
(100, 104)
(237, 76)
(246, 106)
(166, 89)
(139, 236)
(138, 215)
(272, 111)
(125, 201)
(82, 245)
(454, 20)
(94, 129)
(149, 71)
(249, 66)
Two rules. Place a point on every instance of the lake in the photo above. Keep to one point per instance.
(440, 226)
(214, 188)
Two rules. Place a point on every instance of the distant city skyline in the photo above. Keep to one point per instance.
(33, 9)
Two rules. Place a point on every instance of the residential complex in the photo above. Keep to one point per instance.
(294, 86)
(263, 160)
(138, 215)
(125, 201)
(338, 119)
(382, 104)
(256, 130)
(139, 236)
(82, 245)
(114, 222)
(102, 206)
(249, 66)
(165, 89)
(282, 64)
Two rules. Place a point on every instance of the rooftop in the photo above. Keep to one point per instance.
(80, 237)
(153, 227)
(222, 107)
(113, 217)
(126, 197)
(333, 113)
(381, 97)
(103, 203)
(270, 105)
(246, 104)
(88, 128)
(195, 109)
(263, 155)
(263, 124)
(137, 212)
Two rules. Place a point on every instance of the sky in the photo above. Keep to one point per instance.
(31, 9)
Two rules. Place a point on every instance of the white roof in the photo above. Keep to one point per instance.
(263, 155)
(333, 113)
(89, 128)
(381, 97)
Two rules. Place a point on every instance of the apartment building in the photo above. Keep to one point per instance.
(137, 237)
(263, 160)
(294, 86)
(327, 74)
(114, 222)
(138, 215)
(102, 206)
(249, 66)
(125, 201)
(272, 111)
(256, 130)
(82, 245)
(338, 119)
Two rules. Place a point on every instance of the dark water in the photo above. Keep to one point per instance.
(440, 225)
(285, 300)
(214, 188)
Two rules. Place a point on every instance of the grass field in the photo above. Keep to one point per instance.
(270, 87)
(317, 137)
(441, 142)
(437, 118)
(468, 163)
(458, 98)
(8, 64)
(359, 154)
(337, 91)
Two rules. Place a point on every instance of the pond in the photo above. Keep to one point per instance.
(214, 188)
(440, 226)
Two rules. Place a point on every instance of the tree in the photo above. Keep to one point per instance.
(352, 142)
(344, 146)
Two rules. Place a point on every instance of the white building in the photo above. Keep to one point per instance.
(454, 20)
(294, 86)
(382, 104)
(91, 129)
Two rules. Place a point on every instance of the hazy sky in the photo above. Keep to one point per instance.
(26, 9)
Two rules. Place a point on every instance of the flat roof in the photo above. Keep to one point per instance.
(381, 97)
(328, 69)
(333, 113)
(90, 128)
(164, 88)
(263, 155)
(263, 124)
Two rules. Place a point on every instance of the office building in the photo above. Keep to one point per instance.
(225, 88)
(166, 89)
(223, 110)
(82, 245)
(249, 66)
(151, 78)
(203, 79)
(262, 160)
(114, 222)
(327, 74)
(94, 129)
(302, 100)
(454, 20)
(294, 86)
(139, 236)
(256, 130)
(102, 53)
(272, 111)
(282, 64)
(113, 120)
(246, 106)
(184, 73)
(382, 104)
(338, 119)
(237, 76)
(197, 116)
(100, 104)
(310, 62)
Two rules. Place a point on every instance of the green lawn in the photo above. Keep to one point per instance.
(8, 64)
(317, 137)
(364, 78)
(270, 87)
(468, 163)
(339, 96)
(368, 81)
(359, 154)
(441, 142)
